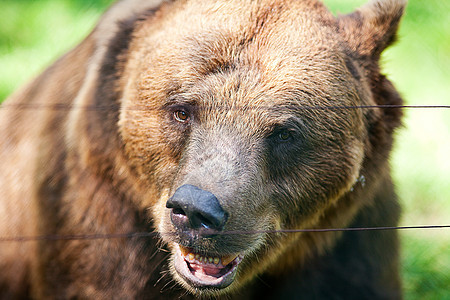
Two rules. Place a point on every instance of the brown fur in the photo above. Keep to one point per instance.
(244, 71)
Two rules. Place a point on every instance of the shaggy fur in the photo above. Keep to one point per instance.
(263, 85)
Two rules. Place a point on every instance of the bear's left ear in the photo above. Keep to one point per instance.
(372, 27)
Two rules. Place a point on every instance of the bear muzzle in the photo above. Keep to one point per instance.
(198, 213)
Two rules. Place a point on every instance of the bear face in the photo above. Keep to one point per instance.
(220, 125)
(256, 114)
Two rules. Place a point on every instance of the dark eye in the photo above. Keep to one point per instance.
(181, 116)
(284, 135)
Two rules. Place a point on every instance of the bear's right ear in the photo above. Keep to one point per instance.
(372, 27)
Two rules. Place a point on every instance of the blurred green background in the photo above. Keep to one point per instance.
(33, 33)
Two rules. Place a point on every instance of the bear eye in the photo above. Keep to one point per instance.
(181, 116)
(284, 135)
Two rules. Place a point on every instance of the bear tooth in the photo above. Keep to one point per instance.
(227, 259)
(210, 259)
(197, 256)
(184, 251)
(191, 256)
(216, 260)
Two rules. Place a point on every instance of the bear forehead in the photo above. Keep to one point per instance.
(282, 45)
(269, 33)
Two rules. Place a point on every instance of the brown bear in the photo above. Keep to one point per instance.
(169, 153)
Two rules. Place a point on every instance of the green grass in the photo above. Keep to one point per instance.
(33, 33)
(426, 267)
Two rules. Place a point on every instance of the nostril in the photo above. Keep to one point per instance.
(179, 218)
(199, 220)
(178, 211)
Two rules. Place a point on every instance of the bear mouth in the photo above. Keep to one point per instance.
(204, 271)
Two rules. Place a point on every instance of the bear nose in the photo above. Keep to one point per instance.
(195, 208)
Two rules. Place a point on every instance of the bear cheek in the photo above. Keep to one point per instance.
(323, 174)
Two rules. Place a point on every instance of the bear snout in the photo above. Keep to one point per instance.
(194, 209)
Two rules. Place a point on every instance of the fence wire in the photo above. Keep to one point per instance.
(108, 236)
(63, 106)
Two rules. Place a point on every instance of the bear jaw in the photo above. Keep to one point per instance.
(203, 272)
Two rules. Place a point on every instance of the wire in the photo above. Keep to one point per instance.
(62, 106)
(153, 234)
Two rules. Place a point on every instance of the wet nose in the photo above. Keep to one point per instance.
(194, 208)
